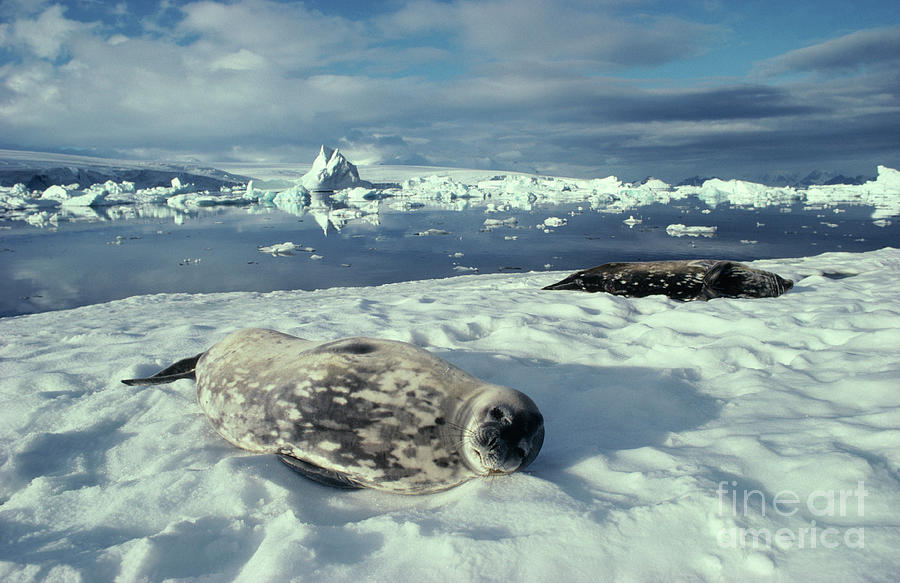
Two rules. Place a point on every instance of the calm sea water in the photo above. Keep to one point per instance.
(216, 249)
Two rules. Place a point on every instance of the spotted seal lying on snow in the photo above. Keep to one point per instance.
(699, 279)
(360, 412)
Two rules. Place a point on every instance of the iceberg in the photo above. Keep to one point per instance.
(332, 171)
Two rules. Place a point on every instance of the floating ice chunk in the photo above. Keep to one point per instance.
(887, 178)
(55, 192)
(431, 232)
(361, 194)
(679, 230)
(555, 222)
(463, 268)
(252, 194)
(91, 197)
(111, 188)
(296, 195)
(42, 219)
(631, 221)
(716, 191)
(436, 187)
(285, 248)
(494, 223)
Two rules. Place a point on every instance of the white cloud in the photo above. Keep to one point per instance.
(289, 35)
(13, 9)
(846, 54)
(46, 35)
(243, 60)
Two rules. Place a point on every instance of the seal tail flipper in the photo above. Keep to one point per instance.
(574, 281)
(183, 369)
(318, 474)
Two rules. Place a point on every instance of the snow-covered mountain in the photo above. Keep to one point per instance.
(814, 178)
(39, 170)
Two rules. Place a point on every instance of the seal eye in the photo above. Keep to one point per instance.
(496, 414)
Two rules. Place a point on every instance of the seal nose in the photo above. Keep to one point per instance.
(491, 448)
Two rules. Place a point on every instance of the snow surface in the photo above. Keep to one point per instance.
(661, 416)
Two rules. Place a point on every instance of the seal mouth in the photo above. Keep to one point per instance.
(494, 455)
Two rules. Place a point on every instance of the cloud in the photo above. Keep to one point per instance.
(46, 35)
(12, 9)
(533, 85)
(287, 34)
(878, 47)
(743, 101)
(583, 33)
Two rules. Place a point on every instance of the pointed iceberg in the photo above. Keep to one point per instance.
(332, 171)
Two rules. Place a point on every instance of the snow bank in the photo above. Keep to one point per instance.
(662, 419)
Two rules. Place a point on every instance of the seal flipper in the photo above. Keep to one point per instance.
(318, 474)
(574, 282)
(183, 369)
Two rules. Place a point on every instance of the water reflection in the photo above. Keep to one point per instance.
(84, 255)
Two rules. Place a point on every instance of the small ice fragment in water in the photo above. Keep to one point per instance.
(679, 230)
(279, 248)
(555, 222)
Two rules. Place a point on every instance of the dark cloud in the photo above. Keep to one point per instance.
(878, 47)
(717, 104)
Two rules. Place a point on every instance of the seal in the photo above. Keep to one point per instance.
(698, 279)
(360, 412)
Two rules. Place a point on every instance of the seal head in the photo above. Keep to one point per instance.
(502, 431)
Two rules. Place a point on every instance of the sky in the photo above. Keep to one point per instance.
(631, 88)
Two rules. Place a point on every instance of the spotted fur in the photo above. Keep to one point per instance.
(699, 279)
(363, 412)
